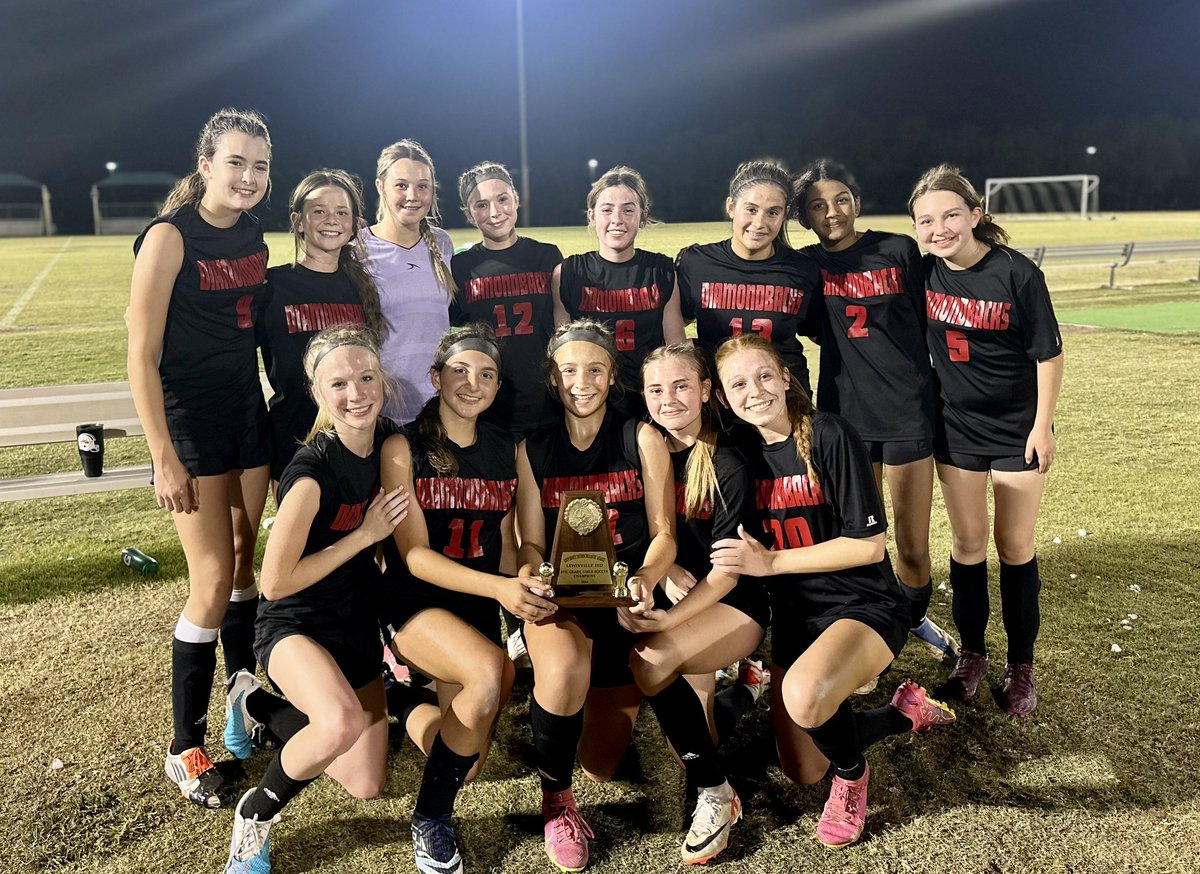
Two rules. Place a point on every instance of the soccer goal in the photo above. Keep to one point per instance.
(1077, 193)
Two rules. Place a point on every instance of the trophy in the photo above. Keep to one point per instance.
(583, 569)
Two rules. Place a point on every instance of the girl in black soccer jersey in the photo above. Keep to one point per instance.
(629, 289)
(999, 359)
(837, 615)
(444, 581)
(317, 634)
(193, 372)
(754, 282)
(875, 369)
(326, 285)
(505, 282)
(581, 656)
(715, 619)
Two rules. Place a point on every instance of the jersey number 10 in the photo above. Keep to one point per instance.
(789, 534)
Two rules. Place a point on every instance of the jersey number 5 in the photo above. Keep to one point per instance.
(522, 310)
(956, 345)
(454, 548)
(790, 534)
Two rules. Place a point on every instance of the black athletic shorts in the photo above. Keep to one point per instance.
(749, 596)
(792, 634)
(896, 452)
(206, 454)
(482, 614)
(355, 647)
(1002, 463)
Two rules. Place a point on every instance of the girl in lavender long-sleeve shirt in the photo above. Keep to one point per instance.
(409, 258)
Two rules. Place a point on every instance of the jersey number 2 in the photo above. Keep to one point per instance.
(859, 329)
(454, 548)
(524, 310)
(956, 345)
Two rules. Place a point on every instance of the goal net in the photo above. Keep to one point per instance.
(1047, 196)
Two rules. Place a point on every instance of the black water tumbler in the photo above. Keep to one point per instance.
(91, 448)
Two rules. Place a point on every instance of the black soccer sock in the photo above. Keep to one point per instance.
(445, 772)
(403, 699)
(837, 738)
(237, 636)
(683, 721)
(556, 740)
(918, 601)
(280, 716)
(192, 666)
(970, 607)
(274, 791)
(729, 706)
(874, 725)
(1020, 585)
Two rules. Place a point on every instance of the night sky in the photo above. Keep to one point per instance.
(680, 90)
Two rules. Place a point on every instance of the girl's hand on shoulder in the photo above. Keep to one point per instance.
(385, 512)
(743, 555)
(678, 583)
(650, 622)
(1042, 441)
(174, 488)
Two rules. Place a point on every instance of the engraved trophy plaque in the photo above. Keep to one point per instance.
(583, 569)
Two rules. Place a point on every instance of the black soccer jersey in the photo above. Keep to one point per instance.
(509, 289)
(629, 297)
(462, 513)
(297, 304)
(209, 366)
(610, 465)
(988, 326)
(875, 369)
(717, 519)
(728, 296)
(795, 511)
(348, 484)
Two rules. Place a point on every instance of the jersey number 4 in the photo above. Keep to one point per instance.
(758, 326)
(789, 534)
(522, 311)
(454, 548)
(957, 346)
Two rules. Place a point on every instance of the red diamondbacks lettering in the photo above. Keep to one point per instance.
(985, 315)
(224, 274)
(512, 285)
(869, 283)
(437, 493)
(624, 300)
(740, 296)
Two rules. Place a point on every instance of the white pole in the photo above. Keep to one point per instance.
(525, 202)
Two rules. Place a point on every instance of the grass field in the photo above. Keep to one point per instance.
(1101, 779)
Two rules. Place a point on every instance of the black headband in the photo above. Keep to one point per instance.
(475, 344)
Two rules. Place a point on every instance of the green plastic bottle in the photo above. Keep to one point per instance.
(139, 561)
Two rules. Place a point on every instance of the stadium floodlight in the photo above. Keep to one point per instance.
(592, 165)
(110, 166)
(1077, 192)
(1091, 150)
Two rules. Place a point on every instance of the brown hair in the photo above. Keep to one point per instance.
(481, 172)
(763, 171)
(700, 474)
(631, 179)
(820, 170)
(800, 408)
(594, 331)
(321, 344)
(350, 259)
(191, 188)
(429, 434)
(946, 177)
(414, 151)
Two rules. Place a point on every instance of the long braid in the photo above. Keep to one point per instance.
(351, 260)
(445, 277)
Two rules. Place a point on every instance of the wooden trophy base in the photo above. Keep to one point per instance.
(564, 596)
